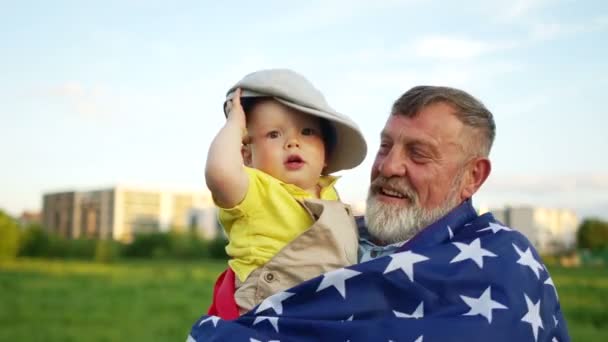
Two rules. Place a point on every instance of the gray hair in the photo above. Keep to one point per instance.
(470, 111)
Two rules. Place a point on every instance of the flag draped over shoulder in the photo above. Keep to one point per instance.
(464, 278)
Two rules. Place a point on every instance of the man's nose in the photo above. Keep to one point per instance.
(392, 165)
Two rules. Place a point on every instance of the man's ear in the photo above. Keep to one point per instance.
(246, 153)
(476, 173)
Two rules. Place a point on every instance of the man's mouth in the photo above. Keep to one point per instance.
(392, 190)
(391, 193)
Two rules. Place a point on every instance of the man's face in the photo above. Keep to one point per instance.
(286, 144)
(417, 174)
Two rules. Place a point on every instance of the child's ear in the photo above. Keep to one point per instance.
(246, 153)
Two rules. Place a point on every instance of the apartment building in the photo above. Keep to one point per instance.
(549, 229)
(120, 212)
(204, 221)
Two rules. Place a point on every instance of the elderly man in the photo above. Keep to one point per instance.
(430, 268)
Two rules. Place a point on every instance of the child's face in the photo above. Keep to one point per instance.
(286, 144)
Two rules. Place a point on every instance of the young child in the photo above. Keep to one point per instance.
(268, 171)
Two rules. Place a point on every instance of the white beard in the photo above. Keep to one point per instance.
(389, 223)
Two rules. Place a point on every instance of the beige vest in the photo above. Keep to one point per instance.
(330, 243)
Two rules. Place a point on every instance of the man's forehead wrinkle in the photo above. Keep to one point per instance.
(401, 136)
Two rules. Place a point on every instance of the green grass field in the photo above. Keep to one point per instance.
(80, 301)
(158, 301)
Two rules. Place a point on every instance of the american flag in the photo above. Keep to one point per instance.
(464, 278)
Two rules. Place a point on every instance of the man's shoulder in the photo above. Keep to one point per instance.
(494, 234)
(488, 228)
(506, 252)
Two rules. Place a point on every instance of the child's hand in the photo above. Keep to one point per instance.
(236, 114)
(224, 172)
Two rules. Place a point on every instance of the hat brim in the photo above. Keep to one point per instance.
(350, 148)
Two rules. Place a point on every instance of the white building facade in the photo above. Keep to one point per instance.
(550, 230)
(121, 211)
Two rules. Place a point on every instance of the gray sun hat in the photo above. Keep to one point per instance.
(295, 91)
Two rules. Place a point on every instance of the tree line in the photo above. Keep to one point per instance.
(34, 241)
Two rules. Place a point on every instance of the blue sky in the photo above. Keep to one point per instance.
(96, 93)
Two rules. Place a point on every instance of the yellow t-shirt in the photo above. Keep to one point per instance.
(268, 218)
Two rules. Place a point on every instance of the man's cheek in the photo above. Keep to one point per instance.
(374, 172)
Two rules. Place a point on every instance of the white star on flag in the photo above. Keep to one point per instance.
(404, 261)
(482, 305)
(472, 251)
(275, 302)
(273, 320)
(450, 233)
(213, 319)
(549, 282)
(527, 259)
(418, 313)
(533, 316)
(337, 279)
(349, 318)
(555, 320)
(495, 228)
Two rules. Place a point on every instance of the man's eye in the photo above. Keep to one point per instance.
(273, 134)
(308, 131)
(419, 157)
(384, 148)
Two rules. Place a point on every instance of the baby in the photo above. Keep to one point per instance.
(268, 171)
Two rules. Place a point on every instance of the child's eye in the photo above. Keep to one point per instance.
(273, 134)
(308, 131)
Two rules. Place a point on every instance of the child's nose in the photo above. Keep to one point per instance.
(292, 142)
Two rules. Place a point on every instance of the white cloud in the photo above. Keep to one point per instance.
(587, 194)
(319, 14)
(434, 47)
(450, 48)
(383, 79)
(68, 89)
(597, 182)
(456, 74)
(549, 31)
(518, 9)
(92, 101)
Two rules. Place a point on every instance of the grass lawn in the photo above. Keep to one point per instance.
(81, 301)
(583, 293)
(43, 300)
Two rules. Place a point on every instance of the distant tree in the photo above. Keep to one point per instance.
(9, 237)
(149, 245)
(217, 248)
(35, 242)
(186, 245)
(593, 235)
(106, 251)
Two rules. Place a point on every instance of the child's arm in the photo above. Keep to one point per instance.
(225, 174)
